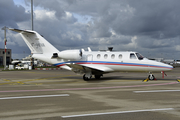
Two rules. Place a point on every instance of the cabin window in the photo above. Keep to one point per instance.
(112, 56)
(132, 56)
(105, 56)
(120, 56)
(98, 56)
(140, 57)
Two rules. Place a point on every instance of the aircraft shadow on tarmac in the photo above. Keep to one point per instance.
(109, 78)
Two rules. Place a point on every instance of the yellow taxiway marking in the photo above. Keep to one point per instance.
(6, 80)
(23, 81)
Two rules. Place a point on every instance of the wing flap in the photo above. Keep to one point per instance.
(75, 66)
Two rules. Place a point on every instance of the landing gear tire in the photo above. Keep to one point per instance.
(85, 78)
(151, 77)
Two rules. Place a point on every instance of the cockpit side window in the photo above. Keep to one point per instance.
(140, 57)
(132, 56)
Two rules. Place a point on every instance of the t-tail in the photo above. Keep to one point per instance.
(40, 47)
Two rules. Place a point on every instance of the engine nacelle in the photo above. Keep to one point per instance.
(70, 54)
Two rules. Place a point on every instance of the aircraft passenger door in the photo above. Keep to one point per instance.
(89, 57)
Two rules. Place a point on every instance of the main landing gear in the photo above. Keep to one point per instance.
(87, 77)
(98, 76)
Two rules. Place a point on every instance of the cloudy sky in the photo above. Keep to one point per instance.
(150, 27)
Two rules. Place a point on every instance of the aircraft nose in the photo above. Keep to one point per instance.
(167, 67)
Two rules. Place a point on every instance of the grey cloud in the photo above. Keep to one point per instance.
(151, 43)
(155, 24)
(151, 17)
(63, 33)
(10, 14)
(133, 17)
(55, 5)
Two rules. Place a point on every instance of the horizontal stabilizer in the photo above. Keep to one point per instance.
(21, 31)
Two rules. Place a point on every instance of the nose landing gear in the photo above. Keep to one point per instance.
(150, 77)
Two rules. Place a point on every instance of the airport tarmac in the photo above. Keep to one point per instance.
(61, 94)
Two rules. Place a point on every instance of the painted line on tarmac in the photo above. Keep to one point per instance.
(40, 96)
(92, 88)
(153, 91)
(120, 112)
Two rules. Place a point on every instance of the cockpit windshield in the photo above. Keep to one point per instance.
(140, 57)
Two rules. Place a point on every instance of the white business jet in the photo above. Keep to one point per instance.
(90, 62)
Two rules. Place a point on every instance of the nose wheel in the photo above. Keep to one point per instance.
(150, 77)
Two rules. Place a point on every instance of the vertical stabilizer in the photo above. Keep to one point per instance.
(36, 43)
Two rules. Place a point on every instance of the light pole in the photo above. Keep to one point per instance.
(5, 40)
(32, 25)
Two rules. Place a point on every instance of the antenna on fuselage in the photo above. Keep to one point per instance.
(82, 50)
(89, 49)
(110, 48)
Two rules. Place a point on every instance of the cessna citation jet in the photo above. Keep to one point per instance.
(90, 62)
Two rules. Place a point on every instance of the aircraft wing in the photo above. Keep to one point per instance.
(94, 68)
(97, 67)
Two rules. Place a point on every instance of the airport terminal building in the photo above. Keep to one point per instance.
(8, 57)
